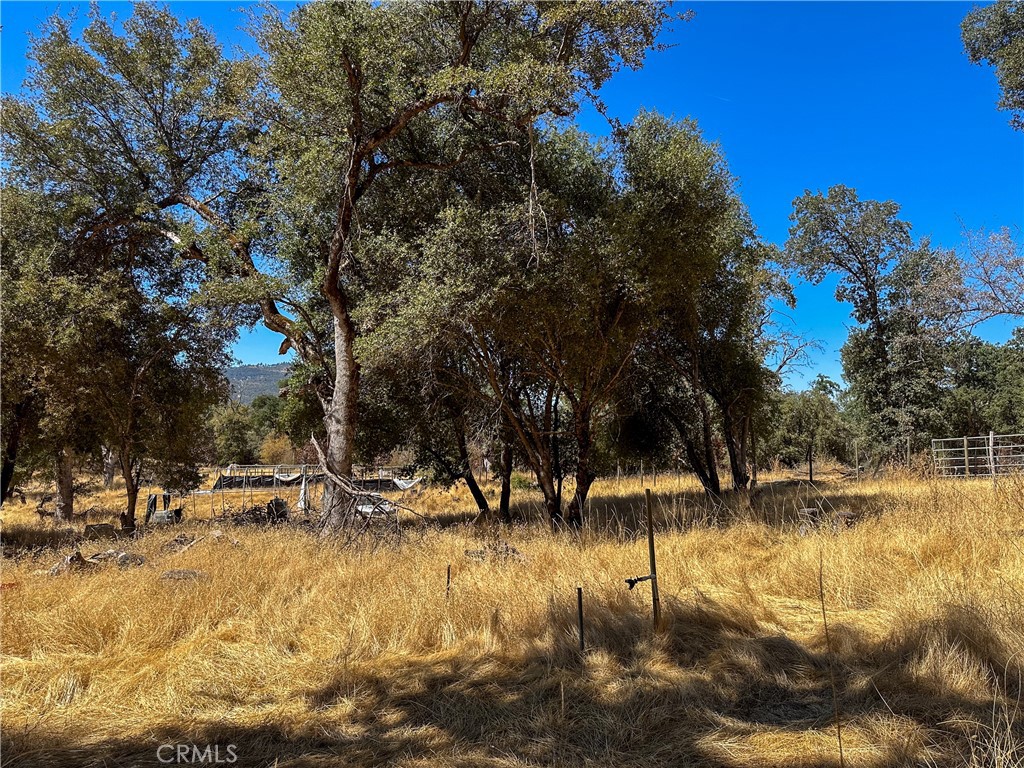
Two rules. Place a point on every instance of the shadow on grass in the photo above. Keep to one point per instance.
(710, 690)
(20, 540)
(777, 504)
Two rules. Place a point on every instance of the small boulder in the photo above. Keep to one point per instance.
(73, 562)
(129, 560)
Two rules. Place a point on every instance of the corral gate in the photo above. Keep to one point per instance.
(981, 456)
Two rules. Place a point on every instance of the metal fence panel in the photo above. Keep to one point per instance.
(978, 456)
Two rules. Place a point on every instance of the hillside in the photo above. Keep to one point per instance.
(249, 381)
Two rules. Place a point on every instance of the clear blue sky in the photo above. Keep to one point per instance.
(876, 96)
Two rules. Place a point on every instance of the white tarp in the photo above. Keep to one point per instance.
(405, 485)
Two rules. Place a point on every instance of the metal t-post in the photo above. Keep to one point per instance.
(655, 598)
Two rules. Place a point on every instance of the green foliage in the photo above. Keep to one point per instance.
(235, 438)
(994, 34)
(808, 423)
(91, 356)
(894, 360)
(983, 389)
(837, 233)
(156, 133)
(266, 414)
(51, 316)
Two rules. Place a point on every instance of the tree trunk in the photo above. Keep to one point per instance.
(584, 479)
(467, 473)
(810, 462)
(20, 421)
(506, 483)
(534, 433)
(707, 474)
(340, 421)
(753, 453)
(556, 454)
(552, 502)
(698, 458)
(65, 486)
(131, 486)
(735, 444)
(710, 460)
(7, 472)
(478, 496)
(109, 466)
(584, 474)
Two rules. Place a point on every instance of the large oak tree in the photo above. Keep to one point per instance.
(156, 128)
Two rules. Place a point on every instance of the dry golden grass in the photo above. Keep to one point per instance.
(305, 653)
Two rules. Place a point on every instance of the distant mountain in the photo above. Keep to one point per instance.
(249, 381)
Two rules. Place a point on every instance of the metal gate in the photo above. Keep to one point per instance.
(979, 456)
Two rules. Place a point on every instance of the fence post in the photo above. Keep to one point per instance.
(967, 460)
(908, 451)
(655, 598)
(856, 456)
(992, 456)
(579, 611)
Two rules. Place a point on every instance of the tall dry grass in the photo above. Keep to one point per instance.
(305, 653)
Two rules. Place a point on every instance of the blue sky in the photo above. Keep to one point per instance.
(876, 96)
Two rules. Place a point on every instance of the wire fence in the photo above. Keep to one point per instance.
(979, 456)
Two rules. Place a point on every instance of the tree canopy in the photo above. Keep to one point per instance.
(994, 34)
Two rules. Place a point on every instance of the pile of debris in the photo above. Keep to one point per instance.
(273, 512)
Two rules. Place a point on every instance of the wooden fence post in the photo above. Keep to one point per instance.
(856, 457)
(967, 460)
(655, 598)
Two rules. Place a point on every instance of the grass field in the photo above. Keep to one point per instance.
(298, 652)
